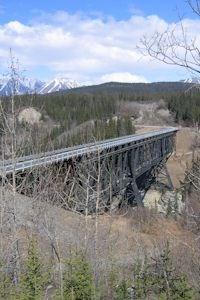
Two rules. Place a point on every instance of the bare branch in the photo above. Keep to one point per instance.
(173, 46)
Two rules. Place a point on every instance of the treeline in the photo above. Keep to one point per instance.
(154, 278)
(69, 109)
(74, 108)
(102, 101)
(186, 107)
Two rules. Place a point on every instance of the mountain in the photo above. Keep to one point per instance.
(36, 86)
(58, 84)
(194, 80)
(6, 87)
(66, 84)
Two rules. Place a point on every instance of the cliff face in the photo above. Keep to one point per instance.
(167, 202)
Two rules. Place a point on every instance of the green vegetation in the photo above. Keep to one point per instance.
(186, 107)
(154, 278)
(78, 280)
(33, 279)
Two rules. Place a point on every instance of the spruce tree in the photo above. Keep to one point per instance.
(33, 279)
(78, 279)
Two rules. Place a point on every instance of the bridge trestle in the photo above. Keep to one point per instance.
(129, 170)
(94, 178)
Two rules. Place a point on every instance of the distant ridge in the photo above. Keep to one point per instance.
(134, 88)
(66, 85)
(36, 86)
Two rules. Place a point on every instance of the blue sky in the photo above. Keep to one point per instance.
(25, 10)
(91, 41)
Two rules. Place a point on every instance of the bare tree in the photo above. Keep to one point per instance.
(174, 46)
(12, 146)
(9, 128)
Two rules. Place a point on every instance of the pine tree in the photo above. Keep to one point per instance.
(78, 279)
(33, 279)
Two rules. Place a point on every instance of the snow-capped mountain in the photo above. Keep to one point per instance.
(58, 84)
(194, 80)
(36, 86)
(7, 87)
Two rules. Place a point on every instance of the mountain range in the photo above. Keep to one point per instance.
(35, 86)
(31, 86)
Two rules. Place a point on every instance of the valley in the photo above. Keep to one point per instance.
(115, 240)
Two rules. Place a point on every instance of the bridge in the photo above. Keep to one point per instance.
(126, 165)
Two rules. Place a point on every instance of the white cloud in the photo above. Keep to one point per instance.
(86, 48)
(122, 77)
(134, 10)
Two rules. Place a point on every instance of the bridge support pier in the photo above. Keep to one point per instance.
(137, 193)
(132, 194)
(164, 176)
(170, 184)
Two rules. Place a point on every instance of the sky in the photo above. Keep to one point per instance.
(91, 41)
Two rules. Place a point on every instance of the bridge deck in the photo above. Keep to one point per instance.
(27, 162)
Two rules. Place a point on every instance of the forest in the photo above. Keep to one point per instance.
(93, 113)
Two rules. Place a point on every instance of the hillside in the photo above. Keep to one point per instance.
(153, 88)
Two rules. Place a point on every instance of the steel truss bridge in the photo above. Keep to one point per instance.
(99, 171)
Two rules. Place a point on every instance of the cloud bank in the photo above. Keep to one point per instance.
(87, 49)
